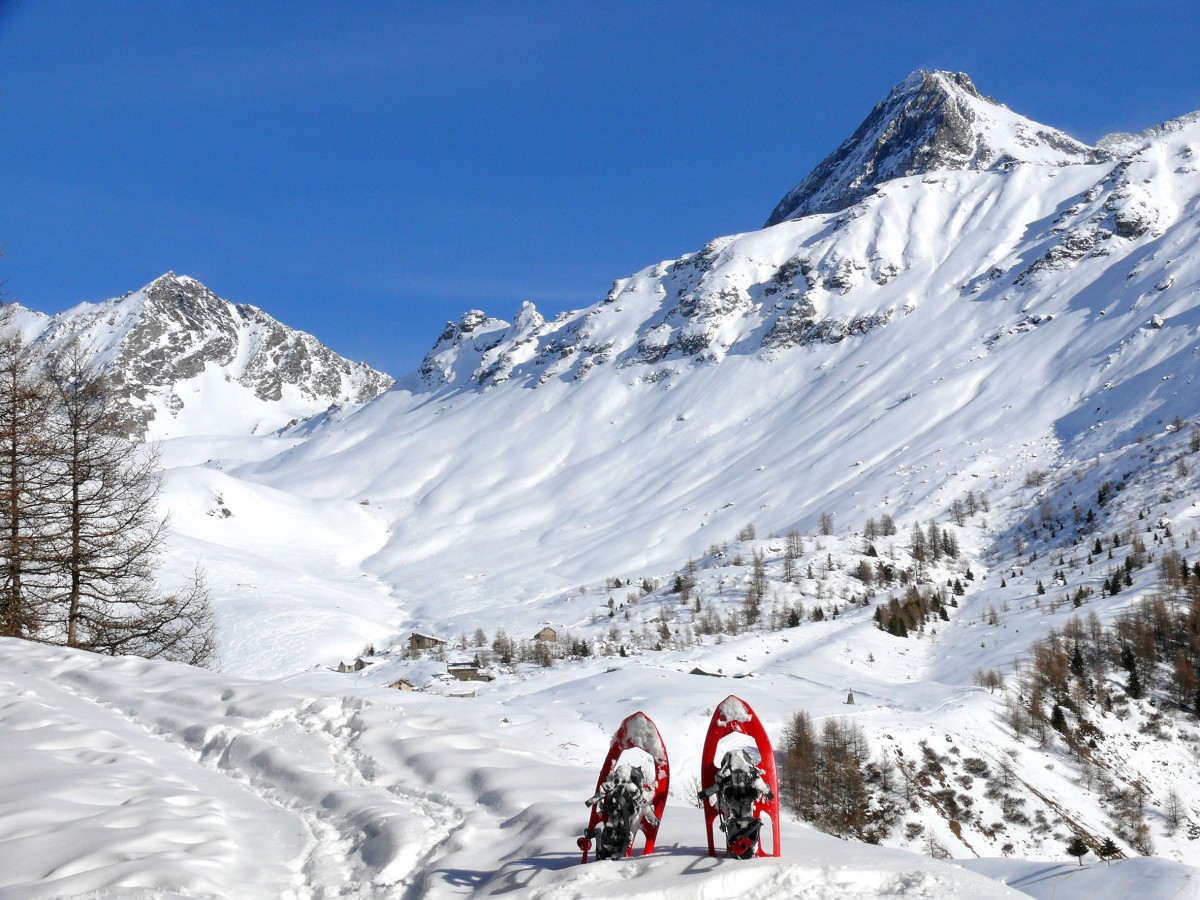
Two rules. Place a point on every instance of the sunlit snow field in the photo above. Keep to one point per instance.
(136, 779)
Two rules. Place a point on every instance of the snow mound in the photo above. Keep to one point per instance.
(1147, 878)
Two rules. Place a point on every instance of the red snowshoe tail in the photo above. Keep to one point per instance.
(734, 716)
(640, 732)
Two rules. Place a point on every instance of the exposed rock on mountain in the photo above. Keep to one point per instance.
(931, 121)
(189, 362)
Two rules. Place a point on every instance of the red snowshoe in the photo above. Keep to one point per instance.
(628, 798)
(737, 790)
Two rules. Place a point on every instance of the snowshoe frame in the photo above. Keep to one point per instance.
(639, 731)
(734, 716)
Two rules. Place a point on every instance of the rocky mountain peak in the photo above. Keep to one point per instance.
(180, 357)
(171, 285)
(928, 122)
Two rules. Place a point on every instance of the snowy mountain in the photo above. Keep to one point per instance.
(967, 325)
(953, 329)
(930, 122)
(189, 362)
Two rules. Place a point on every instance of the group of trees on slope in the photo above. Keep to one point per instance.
(1075, 677)
(80, 535)
(829, 777)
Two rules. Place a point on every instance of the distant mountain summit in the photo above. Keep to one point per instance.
(189, 362)
(931, 121)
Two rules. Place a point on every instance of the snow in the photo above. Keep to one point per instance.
(733, 710)
(641, 733)
(1144, 878)
(126, 776)
(594, 473)
(527, 467)
(157, 777)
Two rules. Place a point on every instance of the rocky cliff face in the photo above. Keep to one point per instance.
(185, 359)
(931, 121)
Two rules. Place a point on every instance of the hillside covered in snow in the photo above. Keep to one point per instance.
(954, 330)
(919, 460)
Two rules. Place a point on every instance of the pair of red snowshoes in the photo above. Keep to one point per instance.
(736, 793)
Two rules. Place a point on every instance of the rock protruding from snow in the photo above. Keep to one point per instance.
(461, 348)
(1121, 143)
(929, 122)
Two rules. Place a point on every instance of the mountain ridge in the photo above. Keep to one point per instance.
(949, 297)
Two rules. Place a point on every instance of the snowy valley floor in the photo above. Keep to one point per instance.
(126, 778)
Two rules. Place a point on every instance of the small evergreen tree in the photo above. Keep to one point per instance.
(1106, 851)
(1078, 848)
(1077, 662)
(1134, 689)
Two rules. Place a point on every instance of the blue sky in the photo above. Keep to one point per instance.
(366, 171)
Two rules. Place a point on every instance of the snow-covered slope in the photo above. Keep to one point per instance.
(189, 362)
(952, 330)
(1013, 332)
(124, 778)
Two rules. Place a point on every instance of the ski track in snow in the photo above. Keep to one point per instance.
(297, 768)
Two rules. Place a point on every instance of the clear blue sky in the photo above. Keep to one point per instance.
(366, 171)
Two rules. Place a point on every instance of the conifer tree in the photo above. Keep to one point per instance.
(1106, 851)
(1134, 688)
(1078, 848)
(25, 462)
(109, 536)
